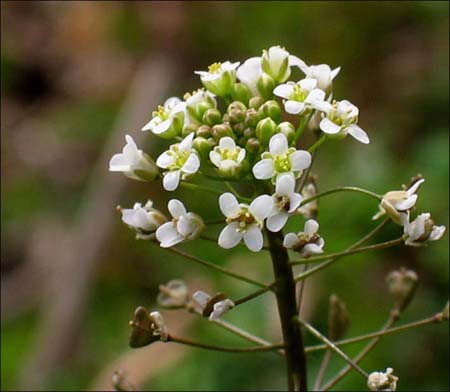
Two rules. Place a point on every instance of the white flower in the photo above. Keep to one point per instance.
(277, 63)
(174, 294)
(244, 221)
(286, 201)
(144, 220)
(181, 160)
(168, 120)
(307, 242)
(397, 203)
(249, 73)
(301, 96)
(227, 156)
(340, 120)
(197, 103)
(379, 381)
(281, 159)
(220, 77)
(322, 73)
(184, 226)
(421, 230)
(214, 307)
(134, 163)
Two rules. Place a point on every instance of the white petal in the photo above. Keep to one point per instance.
(415, 187)
(220, 308)
(327, 126)
(168, 235)
(294, 201)
(241, 155)
(315, 95)
(437, 233)
(171, 180)
(151, 124)
(263, 169)
(119, 163)
(227, 143)
(261, 207)
(185, 226)
(358, 134)
(215, 158)
(323, 106)
(253, 238)
(186, 143)
(276, 222)
(228, 204)
(300, 159)
(285, 184)
(142, 220)
(294, 61)
(229, 237)
(201, 298)
(406, 204)
(278, 144)
(311, 227)
(307, 84)
(176, 208)
(335, 72)
(311, 249)
(293, 107)
(192, 164)
(165, 160)
(290, 240)
(284, 90)
(162, 127)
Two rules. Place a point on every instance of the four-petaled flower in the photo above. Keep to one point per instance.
(397, 203)
(144, 220)
(220, 77)
(227, 157)
(249, 73)
(421, 230)
(308, 242)
(168, 120)
(286, 201)
(281, 159)
(181, 160)
(184, 226)
(340, 119)
(301, 96)
(134, 163)
(244, 221)
(322, 73)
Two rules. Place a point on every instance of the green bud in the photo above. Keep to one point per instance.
(249, 132)
(236, 105)
(241, 93)
(204, 131)
(256, 102)
(221, 130)
(265, 130)
(189, 129)
(203, 146)
(265, 85)
(252, 117)
(212, 117)
(253, 145)
(271, 109)
(236, 116)
(287, 129)
(239, 128)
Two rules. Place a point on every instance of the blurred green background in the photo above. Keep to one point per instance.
(67, 69)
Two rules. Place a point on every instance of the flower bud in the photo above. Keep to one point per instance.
(188, 129)
(253, 145)
(204, 131)
(338, 319)
(379, 381)
(173, 295)
(255, 102)
(241, 92)
(252, 117)
(271, 109)
(249, 132)
(265, 130)
(239, 128)
(212, 117)
(236, 116)
(221, 130)
(198, 103)
(402, 285)
(288, 130)
(147, 328)
(265, 85)
(236, 105)
(203, 146)
(275, 62)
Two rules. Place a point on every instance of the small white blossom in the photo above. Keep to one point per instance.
(220, 77)
(197, 103)
(281, 159)
(308, 242)
(397, 203)
(134, 163)
(184, 226)
(277, 63)
(340, 119)
(227, 157)
(168, 120)
(213, 307)
(144, 220)
(322, 73)
(379, 381)
(181, 160)
(421, 230)
(244, 221)
(301, 96)
(286, 201)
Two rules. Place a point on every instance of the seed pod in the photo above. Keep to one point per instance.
(402, 285)
(338, 318)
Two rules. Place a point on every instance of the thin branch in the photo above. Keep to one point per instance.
(341, 189)
(332, 346)
(255, 294)
(323, 367)
(225, 349)
(319, 142)
(301, 288)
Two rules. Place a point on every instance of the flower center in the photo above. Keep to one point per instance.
(161, 113)
(282, 163)
(230, 154)
(244, 218)
(283, 203)
(214, 68)
(180, 157)
(298, 94)
(304, 239)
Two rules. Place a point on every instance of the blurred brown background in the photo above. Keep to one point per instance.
(77, 76)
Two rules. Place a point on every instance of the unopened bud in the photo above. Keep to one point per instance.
(236, 116)
(221, 130)
(212, 117)
(249, 132)
(402, 285)
(204, 131)
(236, 105)
(253, 145)
(173, 295)
(255, 102)
(265, 85)
(271, 109)
(188, 129)
(239, 128)
(241, 92)
(147, 328)
(203, 146)
(265, 130)
(287, 129)
(338, 319)
(252, 117)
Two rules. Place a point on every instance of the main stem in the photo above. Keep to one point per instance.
(287, 309)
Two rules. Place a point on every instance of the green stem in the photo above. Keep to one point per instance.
(287, 309)
(302, 126)
(319, 142)
(349, 252)
(341, 189)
